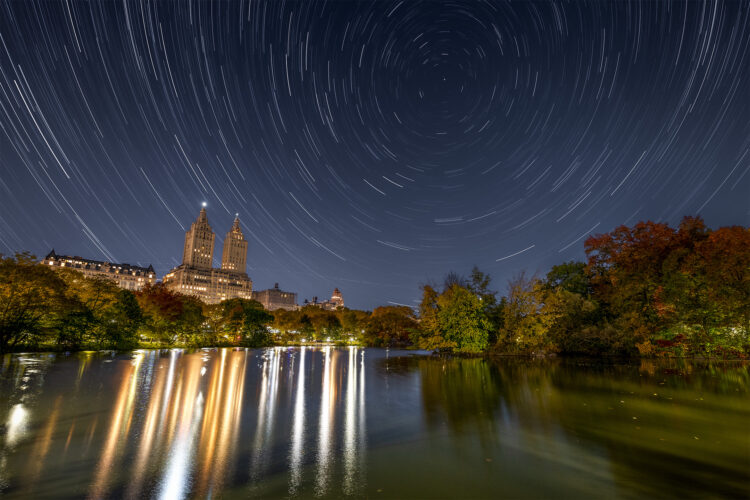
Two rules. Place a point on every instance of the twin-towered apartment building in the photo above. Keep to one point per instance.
(196, 275)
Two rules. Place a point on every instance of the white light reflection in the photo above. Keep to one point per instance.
(221, 422)
(148, 443)
(16, 425)
(266, 411)
(354, 422)
(350, 431)
(177, 478)
(295, 452)
(170, 378)
(179, 465)
(362, 435)
(117, 435)
(326, 424)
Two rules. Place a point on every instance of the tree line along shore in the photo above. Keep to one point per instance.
(649, 290)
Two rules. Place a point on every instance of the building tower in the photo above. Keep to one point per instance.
(234, 256)
(199, 243)
(337, 300)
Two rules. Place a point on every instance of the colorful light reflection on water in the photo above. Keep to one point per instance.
(286, 422)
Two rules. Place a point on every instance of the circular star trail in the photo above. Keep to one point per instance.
(371, 146)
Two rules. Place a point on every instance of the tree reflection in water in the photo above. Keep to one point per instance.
(656, 421)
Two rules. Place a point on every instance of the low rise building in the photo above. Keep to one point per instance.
(125, 275)
(336, 301)
(275, 298)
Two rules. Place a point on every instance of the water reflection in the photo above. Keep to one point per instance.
(354, 426)
(653, 428)
(298, 427)
(221, 423)
(16, 426)
(117, 434)
(266, 410)
(327, 418)
(332, 422)
(21, 380)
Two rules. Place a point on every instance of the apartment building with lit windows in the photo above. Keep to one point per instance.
(275, 298)
(196, 276)
(126, 276)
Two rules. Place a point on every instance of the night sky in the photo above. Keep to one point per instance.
(369, 146)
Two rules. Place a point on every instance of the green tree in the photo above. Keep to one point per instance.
(353, 322)
(30, 299)
(431, 335)
(479, 284)
(306, 328)
(191, 327)
(214, 331)
(88, 313)
(463, 320)
(571, 277)
(247, 321)
(326, 324)
(125, 319)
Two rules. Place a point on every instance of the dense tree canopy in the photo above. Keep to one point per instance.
(461, 318)
(390, 326)
(30, 299)
(649, 289)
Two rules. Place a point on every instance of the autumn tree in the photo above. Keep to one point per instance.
(726, 253)
(526, 322)
(170, 317)
(97, 313)
(625, 267)
(390, 326)
(30, 297)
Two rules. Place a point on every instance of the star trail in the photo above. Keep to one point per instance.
(370, 146)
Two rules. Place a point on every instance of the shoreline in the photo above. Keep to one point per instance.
(446, 355)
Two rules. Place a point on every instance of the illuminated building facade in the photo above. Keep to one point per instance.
(196, 276)
(336, 301)
(126, 276)
(274, 298)
(234, 257)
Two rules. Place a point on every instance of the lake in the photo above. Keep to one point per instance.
(332, 422)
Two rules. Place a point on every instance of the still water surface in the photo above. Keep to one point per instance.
(368, 423)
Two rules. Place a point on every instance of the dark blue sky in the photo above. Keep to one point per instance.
(372, 146)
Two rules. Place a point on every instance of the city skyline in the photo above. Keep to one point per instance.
(369, 146)
(201, 273)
